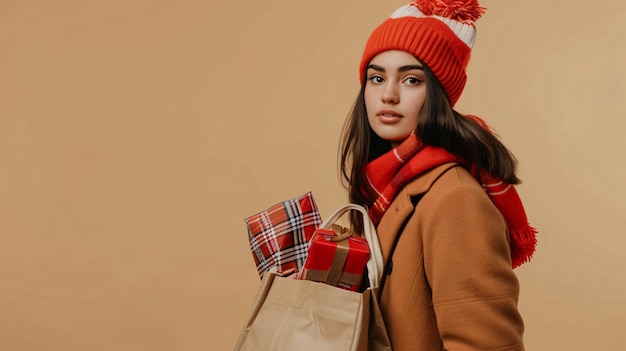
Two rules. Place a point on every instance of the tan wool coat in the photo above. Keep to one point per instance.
(451, 285)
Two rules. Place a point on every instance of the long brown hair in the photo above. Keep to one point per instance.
(438, 125)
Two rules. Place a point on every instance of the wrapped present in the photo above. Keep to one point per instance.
(336, 258)
(279, 236)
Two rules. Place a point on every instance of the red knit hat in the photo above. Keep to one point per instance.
(440, 33)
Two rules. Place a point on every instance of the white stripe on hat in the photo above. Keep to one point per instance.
(464, 31)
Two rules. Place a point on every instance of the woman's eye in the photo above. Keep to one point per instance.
(412, 81)
(376, 79)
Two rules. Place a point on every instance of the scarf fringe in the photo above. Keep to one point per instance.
(523, 244)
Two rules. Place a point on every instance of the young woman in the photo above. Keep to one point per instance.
(438, 185)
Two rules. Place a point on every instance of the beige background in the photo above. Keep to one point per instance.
(136, 135)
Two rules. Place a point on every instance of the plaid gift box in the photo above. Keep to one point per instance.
(336, 258)
(279, 236)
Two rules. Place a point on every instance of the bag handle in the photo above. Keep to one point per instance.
(375, 261)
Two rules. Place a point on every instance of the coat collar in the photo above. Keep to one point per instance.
(402, 206)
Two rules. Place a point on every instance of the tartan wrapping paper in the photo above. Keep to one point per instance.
(279, 236)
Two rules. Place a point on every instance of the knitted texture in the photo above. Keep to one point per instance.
(440, 33)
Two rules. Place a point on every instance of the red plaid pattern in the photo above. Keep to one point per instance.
(279, 236)
(390, 172)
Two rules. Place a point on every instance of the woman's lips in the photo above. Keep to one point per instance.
(388, 116)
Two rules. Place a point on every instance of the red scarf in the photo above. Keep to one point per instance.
(390, 172)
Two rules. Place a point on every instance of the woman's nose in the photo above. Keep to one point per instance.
(390, 94)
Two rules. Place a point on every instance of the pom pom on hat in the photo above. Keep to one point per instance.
(465, 11)
(440, 33)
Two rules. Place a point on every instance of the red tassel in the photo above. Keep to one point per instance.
(459, 10)
(523, 244)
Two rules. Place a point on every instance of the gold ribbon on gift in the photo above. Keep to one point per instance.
(341, 254)
(347, 278)
(342, 233)
(336, 268)
(335, 274)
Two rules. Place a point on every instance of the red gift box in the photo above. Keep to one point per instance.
(336, 262)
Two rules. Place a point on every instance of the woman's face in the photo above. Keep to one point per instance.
(395, 90)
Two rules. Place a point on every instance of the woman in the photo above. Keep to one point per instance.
(438, 185)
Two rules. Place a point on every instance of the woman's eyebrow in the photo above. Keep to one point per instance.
(400, 69)
(376, 68)
(410, 67)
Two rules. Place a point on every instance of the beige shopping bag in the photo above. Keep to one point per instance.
(292, 314)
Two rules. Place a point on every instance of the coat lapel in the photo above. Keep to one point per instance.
(402, 207)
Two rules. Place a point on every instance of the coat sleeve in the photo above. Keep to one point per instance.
(468, 266)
